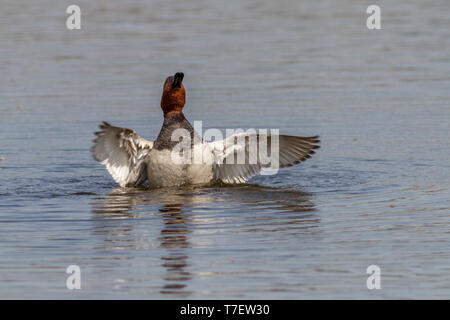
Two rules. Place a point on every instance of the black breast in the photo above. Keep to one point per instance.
(172, 123)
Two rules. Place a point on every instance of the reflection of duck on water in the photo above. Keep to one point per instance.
(249, 208)
(122, 202)
(174, 237)
(174, 233)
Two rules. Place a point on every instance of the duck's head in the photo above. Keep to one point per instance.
(173, 96)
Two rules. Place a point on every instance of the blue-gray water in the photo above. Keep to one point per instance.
(376, 193)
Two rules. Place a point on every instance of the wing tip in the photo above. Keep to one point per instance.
(105, 125)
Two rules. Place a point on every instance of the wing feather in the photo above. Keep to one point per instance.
(123, 152)
(292, 150)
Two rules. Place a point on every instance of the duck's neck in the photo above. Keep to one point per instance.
(172, 121)
(173, 115)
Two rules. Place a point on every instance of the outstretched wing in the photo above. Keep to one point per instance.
(291, 150)
(123, 153)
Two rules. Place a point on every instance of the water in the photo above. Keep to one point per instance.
(376, 193)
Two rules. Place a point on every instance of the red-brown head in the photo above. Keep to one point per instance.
(174, 96)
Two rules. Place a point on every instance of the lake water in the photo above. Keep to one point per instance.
(376, 193)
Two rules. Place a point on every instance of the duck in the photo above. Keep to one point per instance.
(133, 161)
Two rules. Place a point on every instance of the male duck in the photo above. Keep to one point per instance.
(134, 161)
